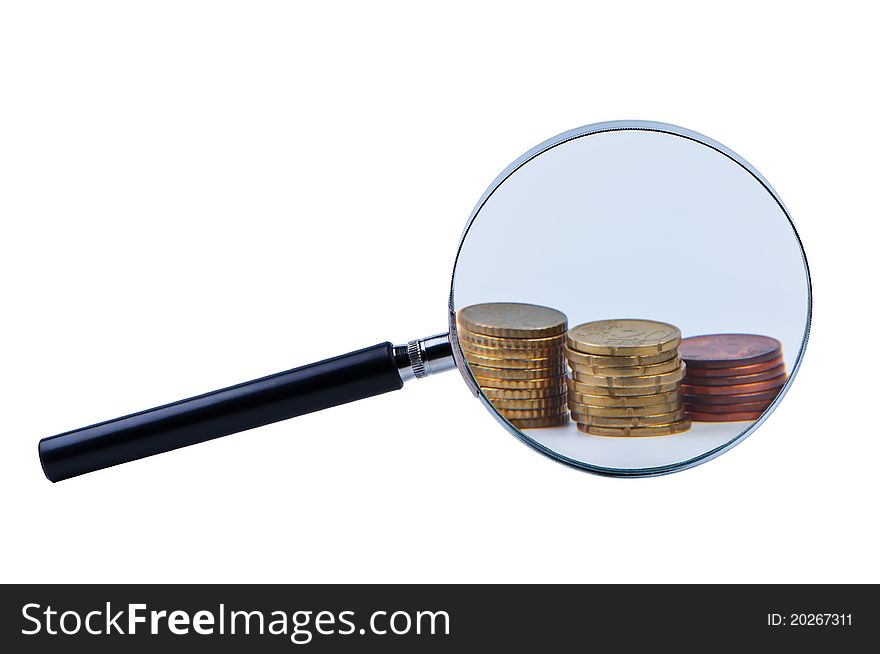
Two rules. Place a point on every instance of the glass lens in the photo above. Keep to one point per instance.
(630, 298)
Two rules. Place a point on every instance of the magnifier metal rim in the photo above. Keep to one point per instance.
(565, 137)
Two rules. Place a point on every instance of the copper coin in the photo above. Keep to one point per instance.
(647, 381)
(739, 379)
(626, 371)
(494, 352)
(611, 361)
(513, 373)
(552, 382)
(623, 412)
(512, 320)
(531, 414)
(742, 407)
(553, 402)
(586, 389)
(723, 417)
(654, 430)
(623, 337)
(628, 421)
(731, 399)
(737, 370)
(522, 393)
(516, 364)
(725, 350)
(535, 423)
(736, 389)
(482, 340)
(619, 402)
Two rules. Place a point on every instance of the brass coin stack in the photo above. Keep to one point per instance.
(626, 377)
(515, 352)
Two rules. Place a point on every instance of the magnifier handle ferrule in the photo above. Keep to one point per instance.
(424, 357)
(346, 378)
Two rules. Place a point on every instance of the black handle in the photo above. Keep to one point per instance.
(317, 386)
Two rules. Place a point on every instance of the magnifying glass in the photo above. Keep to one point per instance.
(628, 298)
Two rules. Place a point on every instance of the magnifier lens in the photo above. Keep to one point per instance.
(630, 298)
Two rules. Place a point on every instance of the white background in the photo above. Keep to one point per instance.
(194, 194)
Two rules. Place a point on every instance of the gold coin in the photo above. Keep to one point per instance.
(520, 393)
(627, 371)
(610, 391)
(622, 402)
(546, 353)
(655, 430)
(551, 382)
(650, 381)
(556, 402)
(512, 320)
(520, 414)
(496, 362)
(518, 374)
(623, 412)
(481, 340)
(623, 337)
(534, 423)
(628, 421)
(599, 360)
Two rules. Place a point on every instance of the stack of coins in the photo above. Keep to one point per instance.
(731, 377)
(625, 378)
(515, 353)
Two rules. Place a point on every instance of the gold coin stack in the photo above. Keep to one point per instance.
(626, 377)
(515, 352)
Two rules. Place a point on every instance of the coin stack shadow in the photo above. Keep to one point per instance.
(625, 378)
(515, 352)
(731, 377)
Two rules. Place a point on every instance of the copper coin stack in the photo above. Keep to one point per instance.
(731, 377)
(625, 378)
(515, 354)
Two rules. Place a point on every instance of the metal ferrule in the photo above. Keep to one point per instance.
(424, 357)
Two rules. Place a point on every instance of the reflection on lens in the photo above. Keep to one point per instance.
(683, 279)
